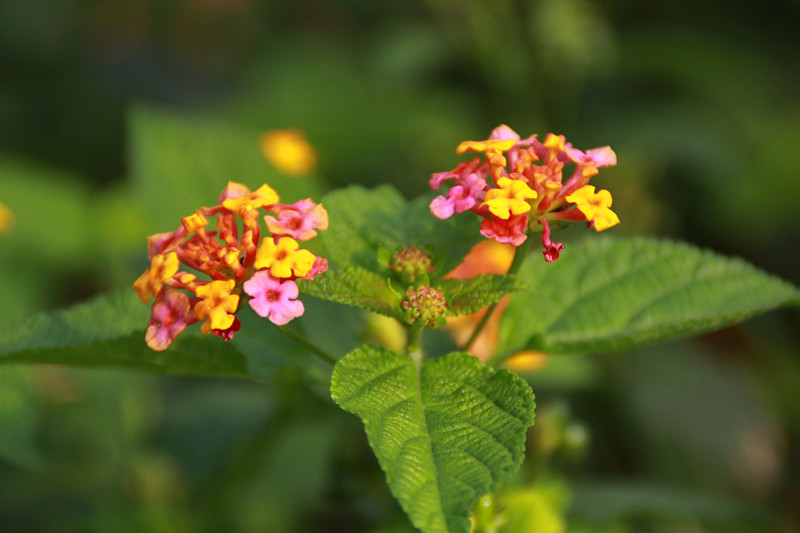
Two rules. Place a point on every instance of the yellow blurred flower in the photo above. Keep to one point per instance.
(289, 151)
(526, 361)
(6, 219)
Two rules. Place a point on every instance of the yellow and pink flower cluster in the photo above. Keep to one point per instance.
(519, 185)
(240, 264)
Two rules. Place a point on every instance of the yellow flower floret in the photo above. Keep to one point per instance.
(217, 305)
(162, 267)
(261, 197)
(595, 206)
(510, 198)
(283, 259)
(194, 222)
(492, 145)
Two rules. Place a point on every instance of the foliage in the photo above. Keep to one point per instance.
(668, 432)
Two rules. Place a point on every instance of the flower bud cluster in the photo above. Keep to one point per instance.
(519, 185)
(411, 264)
(236, 261)
(425, 305)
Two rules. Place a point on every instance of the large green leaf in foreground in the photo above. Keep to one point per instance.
(608, 294)
(445, 431)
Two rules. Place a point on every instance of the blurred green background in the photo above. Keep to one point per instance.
(700, 100)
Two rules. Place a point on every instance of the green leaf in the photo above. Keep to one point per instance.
(367, 223)
(354, 286)
(108, 331)
(445, 431)
(179, 164)
(610, 294)
(101, 318)
(472, 294)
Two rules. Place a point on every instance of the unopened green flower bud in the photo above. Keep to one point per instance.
(424, 305)
(411, 264)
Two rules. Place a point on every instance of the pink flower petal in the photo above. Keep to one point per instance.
(273, 298)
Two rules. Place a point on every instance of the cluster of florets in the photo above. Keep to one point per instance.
(236, 260)
(519, 185)
(411, 264)
(425, 305)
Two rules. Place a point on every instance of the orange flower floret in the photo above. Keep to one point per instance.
(194, 222)
(594, 206)
(162, 267)
(217, 305)
(283, 259)
(510, 198)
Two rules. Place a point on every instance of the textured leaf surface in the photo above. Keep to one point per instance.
(365, 222)
(354, 286)
(472, 294)
(615, 293)
(445, 431)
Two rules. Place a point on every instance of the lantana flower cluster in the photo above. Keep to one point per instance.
(238, 263)
(519, 185)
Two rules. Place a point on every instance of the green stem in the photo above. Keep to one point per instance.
(414, 342)
(520, 253)
(319, 352)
